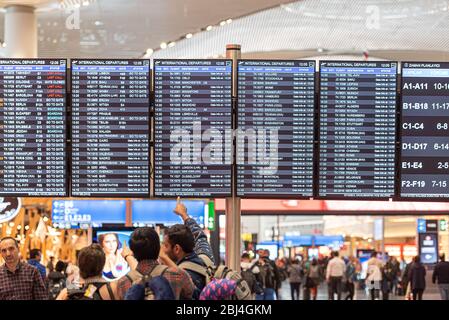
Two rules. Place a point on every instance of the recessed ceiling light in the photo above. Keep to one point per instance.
(149, 52)
(163, 45)
(229, 21)
(171, 44)
(222, 23)
(189, 35)
(209, 28)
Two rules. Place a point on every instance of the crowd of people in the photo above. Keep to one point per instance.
(343, 276)
(183, 267)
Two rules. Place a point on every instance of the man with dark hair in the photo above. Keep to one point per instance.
(91, 262)
(179, 246)
(18, 280)
(441, 275)
(268, 275)
(50, 264)
(35, 261)
(277, 274)
(145, 247)
(187, 245)
(57, 279)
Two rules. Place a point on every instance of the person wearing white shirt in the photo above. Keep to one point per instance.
(334, 275)
(374, 276)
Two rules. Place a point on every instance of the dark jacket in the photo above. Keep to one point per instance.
(55, 276)
(202, 246)
(406, 274)
(271, 273)
(417, 276)
(441, 272)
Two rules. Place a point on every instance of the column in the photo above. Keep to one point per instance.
(20, 32)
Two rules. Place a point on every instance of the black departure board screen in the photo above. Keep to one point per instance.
(425, 130)
(193, 128)
(32, 127)
(357, 129)
(275, 117)
(110, 128)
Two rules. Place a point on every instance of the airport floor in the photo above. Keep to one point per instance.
(431, 292)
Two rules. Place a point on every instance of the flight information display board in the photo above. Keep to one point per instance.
(425, 130)
(33, 127)
(193, 128)
(110, 128)
(357, 129)
(275, 115)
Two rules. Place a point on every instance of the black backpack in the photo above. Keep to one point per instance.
(267, 274)
(90, 292)
(55, 286)
(253, 283)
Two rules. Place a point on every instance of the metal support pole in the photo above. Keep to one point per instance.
(89, 235)
(233, 214)
(383, 237)
(129, 218)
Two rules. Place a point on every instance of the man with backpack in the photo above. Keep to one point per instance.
(188, 247)
(91, 261)
(269, 275)
(165, 282)
(251, 274)
(57, 280)
(179, 247)
(186, 244)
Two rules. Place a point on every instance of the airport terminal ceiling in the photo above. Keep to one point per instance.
(389, 29)
(125, 28)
